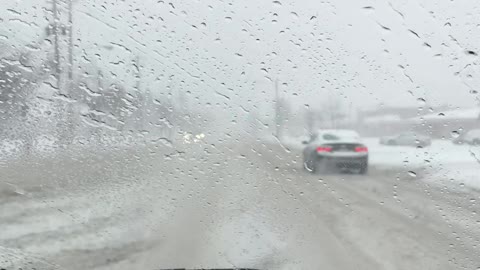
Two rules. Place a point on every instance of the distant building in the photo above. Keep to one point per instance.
(392, 120)
(437, 122)
(442, 124)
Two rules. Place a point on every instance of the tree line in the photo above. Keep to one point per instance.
(91, 106)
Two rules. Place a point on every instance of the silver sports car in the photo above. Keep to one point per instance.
(335, 149)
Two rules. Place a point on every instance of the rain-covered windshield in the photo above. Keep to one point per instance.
(300, 134)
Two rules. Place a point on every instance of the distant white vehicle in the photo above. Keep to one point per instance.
(472, 137)
(407, 139)
(339, 149)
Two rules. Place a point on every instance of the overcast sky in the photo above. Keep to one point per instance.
(227, 54)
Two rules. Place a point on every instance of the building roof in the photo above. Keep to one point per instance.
(382, 119)
(457, 114)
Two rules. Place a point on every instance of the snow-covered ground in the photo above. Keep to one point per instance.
(150, 212)
(445, 163)
(46, 146)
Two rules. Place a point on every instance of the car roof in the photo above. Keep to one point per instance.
(338, 132)
(337, 136)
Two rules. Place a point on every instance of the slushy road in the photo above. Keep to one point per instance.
(228, 205)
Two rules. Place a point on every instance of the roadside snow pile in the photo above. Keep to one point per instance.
(48, 145)
(293, 143)
(10, 148)
(383, 155)
(444, 162)
(457, 165)
(18, 259)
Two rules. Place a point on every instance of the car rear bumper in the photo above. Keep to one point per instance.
(345, 162)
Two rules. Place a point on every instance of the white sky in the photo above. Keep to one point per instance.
(221, 52)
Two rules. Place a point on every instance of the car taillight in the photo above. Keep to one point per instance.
(324, 149)
(361, 149)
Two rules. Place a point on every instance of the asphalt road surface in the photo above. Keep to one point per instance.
(229, 205)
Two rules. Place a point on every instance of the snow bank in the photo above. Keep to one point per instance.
(443, 162)
(45, 145)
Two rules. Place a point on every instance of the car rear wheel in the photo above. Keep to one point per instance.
(363, 167)
(363, 170)
(309, 166)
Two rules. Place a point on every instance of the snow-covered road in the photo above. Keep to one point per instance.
(238, 205)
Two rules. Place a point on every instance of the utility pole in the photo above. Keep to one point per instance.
(277, 111)
(57, 29)
(70, 39)
(143, 104)
(137, 73)
(56, 43)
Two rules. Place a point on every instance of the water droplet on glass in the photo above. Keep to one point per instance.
(470, 53)
(412, 174)
(455, 134)
(422, 101)
(278, 3)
